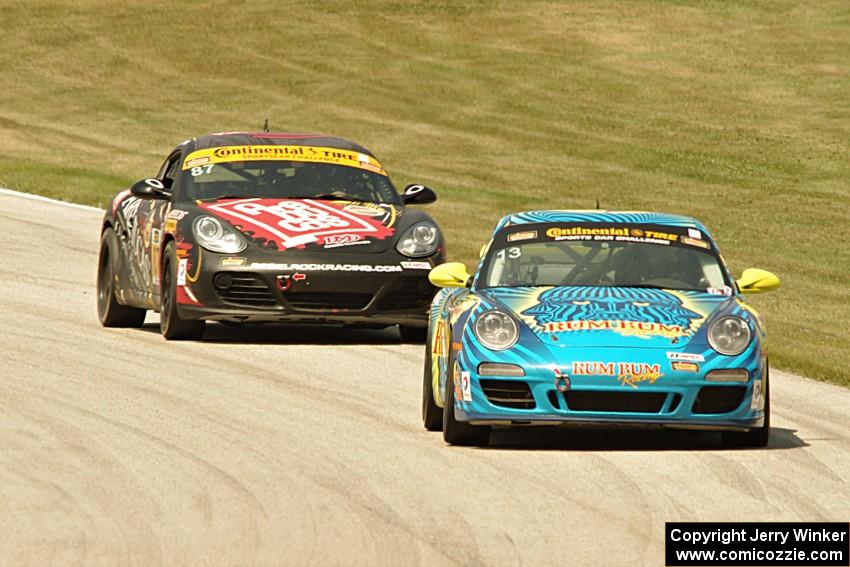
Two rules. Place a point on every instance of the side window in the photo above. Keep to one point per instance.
(170, 171)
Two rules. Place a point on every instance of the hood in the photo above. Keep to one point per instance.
(617, 317)
(298, 224)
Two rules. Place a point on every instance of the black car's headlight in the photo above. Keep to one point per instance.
(214, 235)
(729, 335)
(419, 240)
(496, 330)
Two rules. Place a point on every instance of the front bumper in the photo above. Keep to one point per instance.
(678, 400)
(308, 292)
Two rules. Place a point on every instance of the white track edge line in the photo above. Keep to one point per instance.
(32, 196)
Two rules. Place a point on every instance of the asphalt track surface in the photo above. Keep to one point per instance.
(281, 446)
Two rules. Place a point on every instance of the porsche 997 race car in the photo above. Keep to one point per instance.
(268, 227)
(598, 318)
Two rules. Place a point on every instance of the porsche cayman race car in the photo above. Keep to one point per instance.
(628, 319)
(268, 227)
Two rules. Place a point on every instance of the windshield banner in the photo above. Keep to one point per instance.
(313, 154)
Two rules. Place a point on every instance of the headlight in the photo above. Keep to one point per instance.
(496, 330)
(729, 335)
(213, 235)
(418, 240)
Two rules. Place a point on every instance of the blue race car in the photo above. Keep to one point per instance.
(611, 318)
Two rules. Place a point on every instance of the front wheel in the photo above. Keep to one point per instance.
(458, 432)
(754, 437)
(109, 311)
(171, 325)
(432, 415)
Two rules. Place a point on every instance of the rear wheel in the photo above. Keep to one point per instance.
(754, 437)
(414, 335)
(109, 311)
(458, 432)
(432, 415)
(170, 324)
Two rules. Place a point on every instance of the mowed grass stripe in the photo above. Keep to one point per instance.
(735, 113)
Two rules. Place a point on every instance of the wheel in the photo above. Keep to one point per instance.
(171, 325)
(109, 311)
(458, 432)
(432, 415)
(413, 334)
(754, 437)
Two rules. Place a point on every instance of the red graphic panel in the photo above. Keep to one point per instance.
(295, 223)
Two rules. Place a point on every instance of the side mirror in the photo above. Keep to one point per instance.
(418, 195)
(149, 189)
(450, 274)
(754, 280)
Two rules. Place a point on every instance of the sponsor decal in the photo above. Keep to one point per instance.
(465, 386)
(313, 154)
(156, 237)
(693, 233)
(725, 291)
(627, 373)
(525, 235)
(687, 356)
(170, 226)
(685, 366)
(232, 261)
(369, 268)
(439, 346)
(295, 223)
(181, 271)
(622, 327)
(642, 312)
(618, 234)
(695, 242)
(337, 240)
(177, 214)
(416, 265)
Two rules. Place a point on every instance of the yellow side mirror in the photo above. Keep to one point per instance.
(754, 280)
(450, 274)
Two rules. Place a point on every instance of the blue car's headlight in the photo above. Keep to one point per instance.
(729, 335)
(496, 330)
(213, 235)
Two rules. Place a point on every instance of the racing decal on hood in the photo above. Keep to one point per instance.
(314, 154)
(627, 312)
(294, 223)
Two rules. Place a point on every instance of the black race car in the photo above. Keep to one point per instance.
(268, 227)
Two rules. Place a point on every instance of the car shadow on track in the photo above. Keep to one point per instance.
(273, 334)
(593, 439)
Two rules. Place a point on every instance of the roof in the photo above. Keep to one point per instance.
(275, 139)
(592, 216)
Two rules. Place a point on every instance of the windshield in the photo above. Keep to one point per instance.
(568, 257)
(286, 179)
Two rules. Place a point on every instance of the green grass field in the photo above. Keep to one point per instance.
(737, 113)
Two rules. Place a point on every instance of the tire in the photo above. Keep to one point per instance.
(432, 415)
(415, 335)
(457, 432)
(109, 311)
(754, 437)
(172, 327)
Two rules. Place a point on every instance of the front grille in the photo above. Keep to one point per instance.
(508, 393)
(625, 402)
(328, 301)
(407, 293)
(248, 289)
(719, 399)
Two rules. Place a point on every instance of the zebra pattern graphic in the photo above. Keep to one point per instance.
(611, 304)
